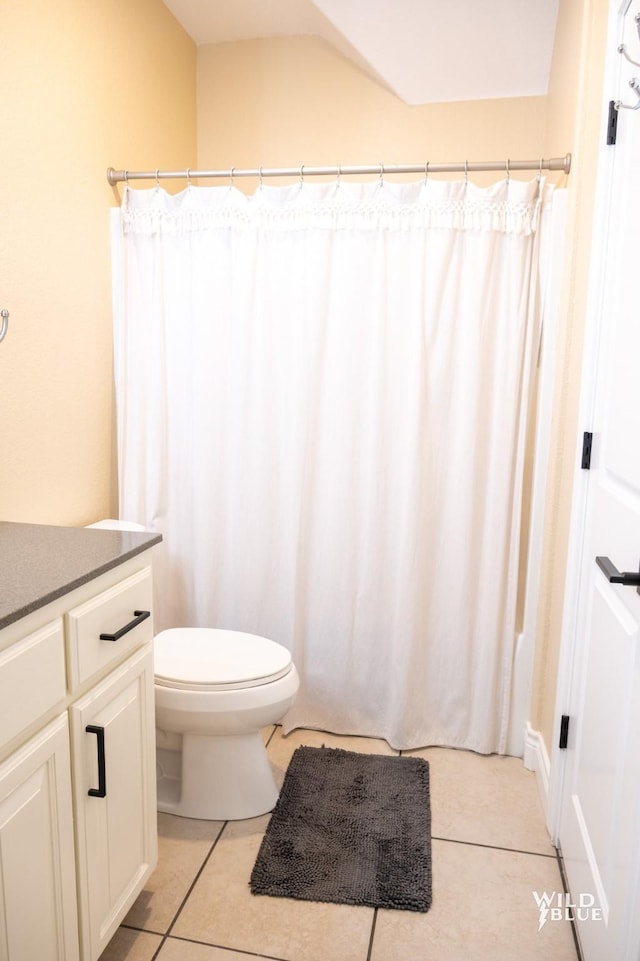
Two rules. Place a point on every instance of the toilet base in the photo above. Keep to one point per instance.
(223, 778)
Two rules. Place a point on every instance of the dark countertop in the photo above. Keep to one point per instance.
(41, 563)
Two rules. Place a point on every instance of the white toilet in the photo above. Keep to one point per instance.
(214, 692)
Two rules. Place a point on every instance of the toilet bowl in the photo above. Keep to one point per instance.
(214, 691)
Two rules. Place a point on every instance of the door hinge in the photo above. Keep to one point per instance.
(612, 124)
(587, 442)
(564, 731)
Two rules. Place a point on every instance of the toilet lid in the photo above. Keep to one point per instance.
(198, 658)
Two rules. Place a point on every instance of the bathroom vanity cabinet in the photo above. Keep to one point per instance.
(78, 834)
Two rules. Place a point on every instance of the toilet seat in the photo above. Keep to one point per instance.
(208, 659)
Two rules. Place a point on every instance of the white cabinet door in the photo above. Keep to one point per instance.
(116, 823)
(38, 917)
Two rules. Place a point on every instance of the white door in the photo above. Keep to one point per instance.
(600, 814)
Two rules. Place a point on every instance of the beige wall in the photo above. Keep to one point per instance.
(292, 101)
(574, 123)
(84, 86)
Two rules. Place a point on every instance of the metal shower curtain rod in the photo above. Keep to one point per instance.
(465, 167)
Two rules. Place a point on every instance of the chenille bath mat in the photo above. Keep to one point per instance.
(349, 828)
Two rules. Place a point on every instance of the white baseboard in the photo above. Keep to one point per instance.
(536, 759)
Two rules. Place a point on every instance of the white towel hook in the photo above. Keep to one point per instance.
(4, 313)
(623, 50)
(635, 86)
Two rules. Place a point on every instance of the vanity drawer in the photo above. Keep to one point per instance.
(118, 614)
(32, 679)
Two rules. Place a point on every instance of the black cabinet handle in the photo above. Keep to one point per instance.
(614, 576)
(139, 617)
(101, 790)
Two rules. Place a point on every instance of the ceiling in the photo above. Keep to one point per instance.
(424, 51)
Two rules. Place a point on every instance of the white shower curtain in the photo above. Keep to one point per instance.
(322, 395)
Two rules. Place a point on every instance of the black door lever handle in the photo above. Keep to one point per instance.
(614, 576)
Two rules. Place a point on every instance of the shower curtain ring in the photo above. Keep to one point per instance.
(508, 169)
(381, 173)
(157, 178)
(231, 175)
(260, 175)
(301, 174)
(188, 176)
(540, 171)
(339, 175)
(126, 177)
(426, 170)
(466, 172)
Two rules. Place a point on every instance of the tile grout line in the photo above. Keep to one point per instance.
(373, 928)
(223, 947)
(270, 738)
(135, 927)
(493, 847)
(189, 890)
(565, 887)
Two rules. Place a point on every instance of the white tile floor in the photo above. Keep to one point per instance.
(490, 852)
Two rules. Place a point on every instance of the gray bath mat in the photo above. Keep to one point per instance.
(349, 828)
